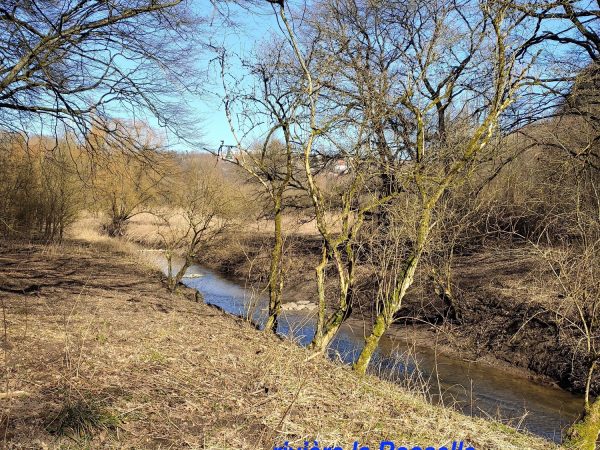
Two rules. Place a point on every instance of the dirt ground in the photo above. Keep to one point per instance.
(96, 353)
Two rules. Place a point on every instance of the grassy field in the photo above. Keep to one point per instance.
(97, 354)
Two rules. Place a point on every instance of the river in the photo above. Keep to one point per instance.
(473, 387)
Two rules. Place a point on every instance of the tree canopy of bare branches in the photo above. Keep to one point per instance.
(74, 61)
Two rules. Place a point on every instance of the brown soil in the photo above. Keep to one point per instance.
(97, 354)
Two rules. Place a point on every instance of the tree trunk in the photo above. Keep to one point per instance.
(584, 434)
(116, 228)
(317, 341)
(329, 328)
(392, 304)
(275, 275)
(173, 280)
(371, 343)
(385, 318)
(443, 289)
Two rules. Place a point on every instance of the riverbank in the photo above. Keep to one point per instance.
(94, 343)
(504, 297)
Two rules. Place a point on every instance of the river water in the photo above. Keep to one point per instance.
(475, 388)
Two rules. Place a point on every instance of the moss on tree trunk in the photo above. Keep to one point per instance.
(584, 434)
(275, 274)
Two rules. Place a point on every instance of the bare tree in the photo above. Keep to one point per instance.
(575, 23)
(338, 227)
(199, 208)
(127, 172)
(441, 66)
(574, 266)
(437, 163)
(41, 188)
(568, 30)
(74, 62)
(576, 272)
(266, 105)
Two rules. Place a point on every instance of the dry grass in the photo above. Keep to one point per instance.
(105, 357)
(142, 227)
(87, 229)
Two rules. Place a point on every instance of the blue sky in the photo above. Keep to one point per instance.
(251, 29)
